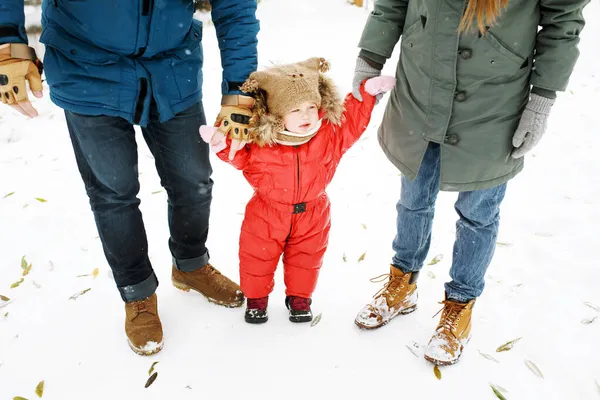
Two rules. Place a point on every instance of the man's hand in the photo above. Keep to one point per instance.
(532, 125)
(14, 71)
(234, 121)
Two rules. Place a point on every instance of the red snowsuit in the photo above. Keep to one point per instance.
(289, 213)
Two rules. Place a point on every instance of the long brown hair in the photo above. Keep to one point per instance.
(484, 12)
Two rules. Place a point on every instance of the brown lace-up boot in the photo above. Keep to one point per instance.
(452, 333)
(210, 283)
(143, 327)
(398, 296)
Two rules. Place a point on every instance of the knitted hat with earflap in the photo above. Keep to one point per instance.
(282, 88)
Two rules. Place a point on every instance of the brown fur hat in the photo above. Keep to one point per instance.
(281, 88)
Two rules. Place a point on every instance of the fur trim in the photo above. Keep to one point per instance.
(324, 66)
(254, 82)
(331, 101)
(264, 127)
(250, 86)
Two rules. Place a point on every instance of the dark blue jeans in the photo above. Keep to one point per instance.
(106, 153)
(476, 228)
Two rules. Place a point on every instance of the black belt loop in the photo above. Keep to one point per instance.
(299, 208)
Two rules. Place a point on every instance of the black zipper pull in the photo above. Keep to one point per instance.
(145, 7)
(139, 107)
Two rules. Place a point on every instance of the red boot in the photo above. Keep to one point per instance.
(256, 310)
(299, 308)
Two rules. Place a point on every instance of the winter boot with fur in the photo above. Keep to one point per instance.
(143, 327)
(398, 296)
(256, 310)
(210, 283)
(452, 334)
(299, 308)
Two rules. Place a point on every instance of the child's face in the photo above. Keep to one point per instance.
(302, 119)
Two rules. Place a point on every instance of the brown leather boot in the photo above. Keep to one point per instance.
(143, 327)
(452, 334)
(210, 283)
(398, 296)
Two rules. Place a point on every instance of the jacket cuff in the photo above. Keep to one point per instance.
(374, 60)
(550, 94)
(230, 87)
(13, 34)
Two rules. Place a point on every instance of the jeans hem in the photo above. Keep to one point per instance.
(139, 291)
(458, 297)
(191, 264)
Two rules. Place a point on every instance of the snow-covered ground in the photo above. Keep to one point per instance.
(546, 264)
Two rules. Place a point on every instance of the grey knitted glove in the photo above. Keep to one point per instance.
(532, 125)
(362, 72)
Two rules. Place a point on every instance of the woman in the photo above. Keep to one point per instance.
(468, 104)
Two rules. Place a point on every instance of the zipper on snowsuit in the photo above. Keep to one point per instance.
(298, 207)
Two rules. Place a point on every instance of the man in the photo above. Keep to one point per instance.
(112, 65)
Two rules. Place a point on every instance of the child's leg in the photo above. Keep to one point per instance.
(263, 235)
(304, 250)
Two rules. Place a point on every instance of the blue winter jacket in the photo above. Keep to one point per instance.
(111, 57)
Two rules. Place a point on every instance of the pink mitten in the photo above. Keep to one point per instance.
(379, 84)
(215, 138)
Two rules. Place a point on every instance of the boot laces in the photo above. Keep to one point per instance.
(215, 275)
(451, 314)
(394, 283)
(211, 270)
(142, 306)
(258, 304)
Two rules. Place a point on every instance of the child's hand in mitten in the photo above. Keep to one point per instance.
(218, 141)
(214, 137)
(379, 85)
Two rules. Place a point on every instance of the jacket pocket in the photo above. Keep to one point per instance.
(415, 38)
(79, 72)
(502, 49)
(420, 23)
(75, 49)
(186, 63)
(490, 61)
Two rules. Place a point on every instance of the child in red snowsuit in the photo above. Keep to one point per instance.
(299, 131)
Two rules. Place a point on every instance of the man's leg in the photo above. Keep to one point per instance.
(183, 164)
(106, 154)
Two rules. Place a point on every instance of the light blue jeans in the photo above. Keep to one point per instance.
(476, 228)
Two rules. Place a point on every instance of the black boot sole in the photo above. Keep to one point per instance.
(256, 321)
(303, 318)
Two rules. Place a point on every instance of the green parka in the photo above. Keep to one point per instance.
(467, 91)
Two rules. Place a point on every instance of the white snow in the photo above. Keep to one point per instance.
(149, 347)
(377, 310)
(439, 348)
(545, 269)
